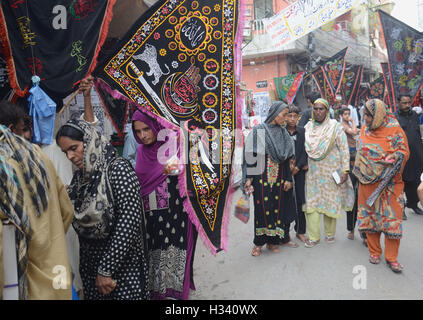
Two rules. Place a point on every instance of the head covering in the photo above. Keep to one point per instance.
(274, 110)
(276, 141)
(377, 109)
(28, 157)
(148, 167)
(320, 137)
(89, 190)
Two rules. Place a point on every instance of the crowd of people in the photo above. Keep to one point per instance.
(134, 236)
(332, 160)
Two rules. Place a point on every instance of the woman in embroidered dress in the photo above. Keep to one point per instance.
(267, 174)
(109, 219)
(327, 149)
(381, 156)
(171, 236)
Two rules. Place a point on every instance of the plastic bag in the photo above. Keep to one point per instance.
(242, 208)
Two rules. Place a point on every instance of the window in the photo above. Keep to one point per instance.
(263, 9)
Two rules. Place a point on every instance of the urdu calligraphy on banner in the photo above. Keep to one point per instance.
(304, 16)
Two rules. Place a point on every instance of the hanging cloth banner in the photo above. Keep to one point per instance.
(177, 62)
(377, 88)
(333, 70)
(302, 17)
(320, 80)
(58, 41)
(354, 97)
(117, 110)
(287, 86)
(363, 94)
(292, 93)
(350, 82)
(405, 57)
(387, 78)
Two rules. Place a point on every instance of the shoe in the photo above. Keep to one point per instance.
(395, 266)
(310, 243)
(374, 259)
(404, 216)
(417, 211)
(351, 235)
(330, 239)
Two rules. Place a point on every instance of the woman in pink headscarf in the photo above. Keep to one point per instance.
(171, 236)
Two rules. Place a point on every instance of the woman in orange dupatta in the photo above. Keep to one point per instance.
(382, 152)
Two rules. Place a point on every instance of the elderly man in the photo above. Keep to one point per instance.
(409, 121)
(329, 190)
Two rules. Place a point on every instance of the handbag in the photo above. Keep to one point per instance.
(242, 208)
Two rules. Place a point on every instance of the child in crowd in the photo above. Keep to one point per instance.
(299, 166)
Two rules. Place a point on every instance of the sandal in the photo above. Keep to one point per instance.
(273, 248)
(310, 243)
(291, 244)
(330, 239)
(256, 251)
(395, 266)
(374, 259)
(351, 235)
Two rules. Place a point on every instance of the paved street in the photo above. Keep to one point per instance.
(322, 272)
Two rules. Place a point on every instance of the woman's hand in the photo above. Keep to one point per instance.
(287, 186)
(248, 188)
(295, 170)
(86, 85)
(105, 284)
(171, 168)
(389, 160)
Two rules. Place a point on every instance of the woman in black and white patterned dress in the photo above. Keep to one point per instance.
(109, 218)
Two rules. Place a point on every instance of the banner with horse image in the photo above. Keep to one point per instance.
(177, 63)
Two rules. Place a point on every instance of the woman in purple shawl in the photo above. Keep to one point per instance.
(171, 236)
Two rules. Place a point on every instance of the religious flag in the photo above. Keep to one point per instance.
(354, 96)
(287, 86)
(377, 88)
(350, 82)
(177, 62)
(387, 79)
(333, 70)
(57, 40)
(117, 110)
(405, 58)
(320, 80)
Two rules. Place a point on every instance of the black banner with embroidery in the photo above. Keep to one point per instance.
(333, 70)
(320, 80)
(377, 89)
(177, 63)
(5, 89)
(350, 82)
(117, 110)
(405, 56)
(57, 40)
